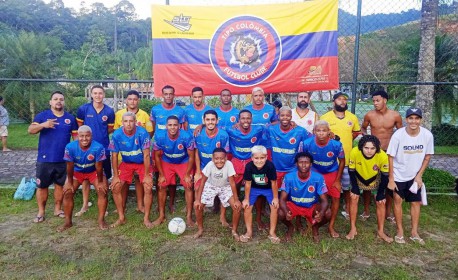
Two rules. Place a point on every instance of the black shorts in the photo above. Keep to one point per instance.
(107, 166)
(51, 173)
(404, 193)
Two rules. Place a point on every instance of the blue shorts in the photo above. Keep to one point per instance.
(255, 192)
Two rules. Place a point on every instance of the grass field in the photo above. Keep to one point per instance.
(37, 251)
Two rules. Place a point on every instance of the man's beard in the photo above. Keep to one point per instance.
(302, 105)
(340, 108)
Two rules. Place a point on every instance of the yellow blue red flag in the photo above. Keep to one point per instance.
(282, 47)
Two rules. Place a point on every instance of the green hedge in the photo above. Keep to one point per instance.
(437, 180)
(445, 135)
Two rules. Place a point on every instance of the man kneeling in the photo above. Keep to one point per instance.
(84, 162)
(301, 193)
(217, 180)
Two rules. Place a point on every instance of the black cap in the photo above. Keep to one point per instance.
(382, 93)
(339, 94)
(414, 111)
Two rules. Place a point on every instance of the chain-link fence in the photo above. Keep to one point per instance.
(377, 50)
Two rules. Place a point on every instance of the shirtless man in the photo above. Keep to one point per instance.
(382, 122)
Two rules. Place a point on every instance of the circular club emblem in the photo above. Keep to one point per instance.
(350, 123)
(311, 189)
(375, 167)
(139, 123)
(245, 50)
(104, 118)
(232, 119)
(309, 122)
(265, 116)
(90, 157)
(253, 140)
(292, 140)
(67, 121)
(180, 147)
(218, 144)
(136, 141)
(330, 154)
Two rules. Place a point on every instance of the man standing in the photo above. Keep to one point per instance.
(409, 152)
(194, 112)
(382, 122)
(84, 159)
(302, 115)
(133, 143)
(100, 118)
(174, 155)
(262, 114)
(4, 122)
(55, 127)
(227, 115)
(346, 126)
(143, 120)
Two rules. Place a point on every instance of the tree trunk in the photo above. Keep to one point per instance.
(427, 59)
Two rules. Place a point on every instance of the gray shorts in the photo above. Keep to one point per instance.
(345, 180)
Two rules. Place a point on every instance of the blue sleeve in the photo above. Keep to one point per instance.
(111, 117)
(322, 189)
(74, 124)
(80, 114)
(39, 118)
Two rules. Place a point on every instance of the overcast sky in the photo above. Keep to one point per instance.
(143, 7)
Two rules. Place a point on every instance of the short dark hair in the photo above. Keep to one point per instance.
(1, 98)
(133, 92)
(168, 87)
(56, 92)
(197, 89)
(173, 117)
(211, 112)
(219, 150)
(277, 103)
(303, 154)
(225, 90)
(97, 86)
(382, 93)
(369, 138)
(245, 111)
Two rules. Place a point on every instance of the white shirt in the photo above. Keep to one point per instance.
(218, 177)
(307, 121)
(409, 152)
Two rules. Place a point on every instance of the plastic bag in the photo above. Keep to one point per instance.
(26, 189)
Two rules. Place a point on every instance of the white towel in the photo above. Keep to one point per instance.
(414, 189)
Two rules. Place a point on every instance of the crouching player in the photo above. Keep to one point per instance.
(368, 169)
(217, 180)
(260, 180)
(303, 193)
(84, 159)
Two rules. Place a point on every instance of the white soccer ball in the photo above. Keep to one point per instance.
(177, 226)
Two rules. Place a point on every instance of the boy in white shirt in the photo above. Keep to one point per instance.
(409, 151)
(217, 180)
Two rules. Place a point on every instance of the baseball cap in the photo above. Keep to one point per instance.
(339, 94)
(414, 111)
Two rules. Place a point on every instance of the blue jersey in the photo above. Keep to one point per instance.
(84, 160)
(263, 116)
(194, 117)
(227, 118)
(52, 141)
(304, 193)
(97, 121)
(130, 147)
(240, 144)
(174, 151)
(205, 145)
(285, 145)
(325, 158)
(159, 116)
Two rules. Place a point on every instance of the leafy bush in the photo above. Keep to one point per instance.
(146, 104)
(438, 180)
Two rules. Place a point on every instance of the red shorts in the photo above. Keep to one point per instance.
(329, 179)
(80, 177)
(301, 211)
(280, 176)
(127, 171)
(239, 167)
(170, 170)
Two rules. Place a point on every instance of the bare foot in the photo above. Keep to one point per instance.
(262, 226)
(148, 223)
(236, 236)
(158, 221)
(384, 237)
(333, 233)
(199, 233)
(118, 223)
(140, 210)
(64, 227)
(289, 234)
(172, 208)
(190, 223)
(316, 238)
(224, 223)
(103, 225)
(351, 235)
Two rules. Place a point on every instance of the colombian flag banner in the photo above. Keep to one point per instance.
(281, 48)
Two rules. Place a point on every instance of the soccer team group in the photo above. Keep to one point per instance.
(292, 163)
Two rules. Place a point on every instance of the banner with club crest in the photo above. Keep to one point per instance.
(281, 48)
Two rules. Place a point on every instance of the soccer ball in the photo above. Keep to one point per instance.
(177, 226)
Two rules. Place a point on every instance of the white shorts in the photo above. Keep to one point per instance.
(210, 192)
(3, 131)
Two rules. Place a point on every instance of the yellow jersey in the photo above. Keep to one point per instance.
(367, 170)
(142, 119)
